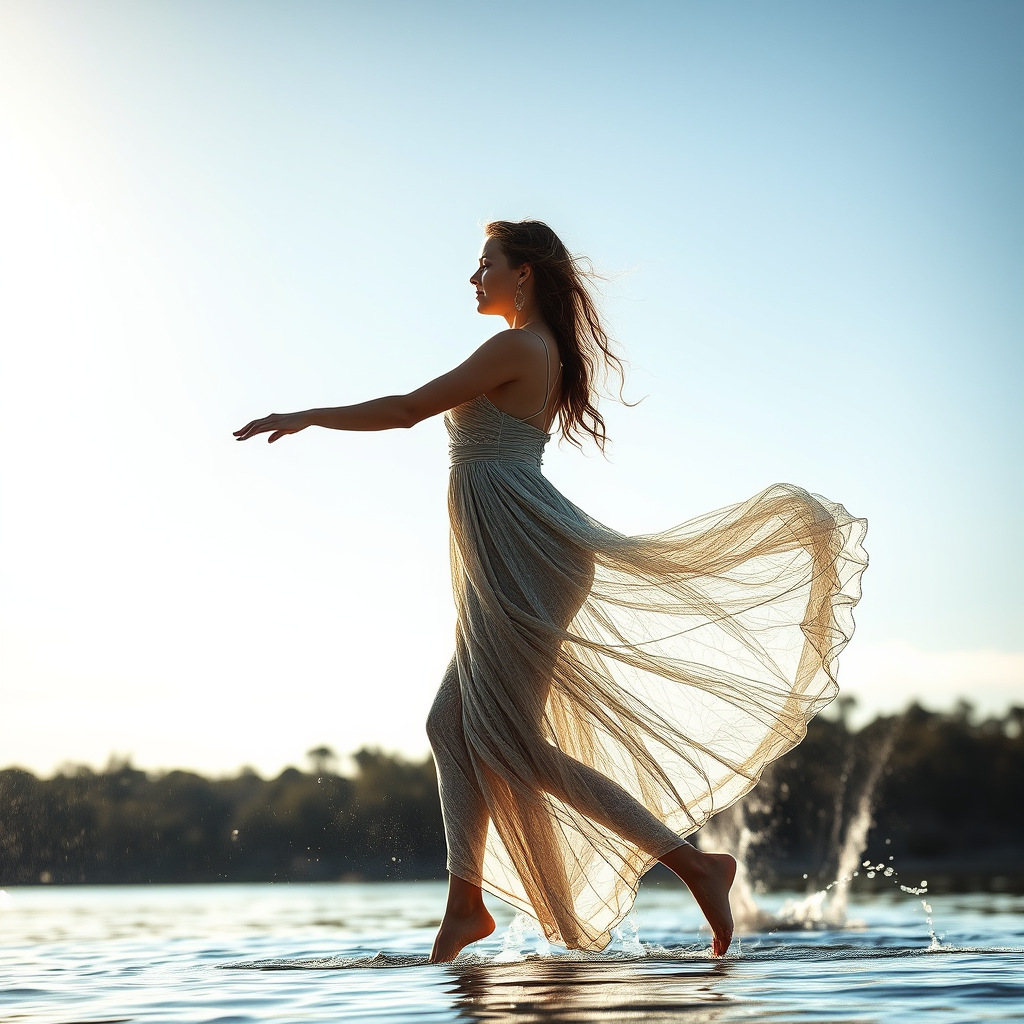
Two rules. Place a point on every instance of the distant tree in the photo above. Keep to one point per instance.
(1014, 722)
(323, 759)
(845, 703)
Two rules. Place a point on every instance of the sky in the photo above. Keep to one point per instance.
(811, 225)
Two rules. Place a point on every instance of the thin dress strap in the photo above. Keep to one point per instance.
(547, 376)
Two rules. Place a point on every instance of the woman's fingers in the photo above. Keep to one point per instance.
(279, 423)
(254, 427)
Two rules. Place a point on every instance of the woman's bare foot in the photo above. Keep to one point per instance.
(466, 920)
(458, 931)
(709, 877)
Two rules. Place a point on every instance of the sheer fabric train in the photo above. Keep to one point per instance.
(608, 694)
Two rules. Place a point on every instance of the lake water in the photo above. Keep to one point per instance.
(356, 952)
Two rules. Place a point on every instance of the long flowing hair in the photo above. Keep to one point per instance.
(562, 286)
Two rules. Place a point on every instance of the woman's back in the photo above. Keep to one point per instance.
(534, 397)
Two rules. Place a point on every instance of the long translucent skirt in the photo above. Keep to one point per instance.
(608, 694)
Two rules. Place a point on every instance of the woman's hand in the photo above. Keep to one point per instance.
(280, 423)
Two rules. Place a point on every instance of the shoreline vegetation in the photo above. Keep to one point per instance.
(942, 788)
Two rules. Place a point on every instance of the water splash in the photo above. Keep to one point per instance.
(856, 839)
(935, 943)
(828, 907)
(523, 933)
(825, 908)
(626, 937)
(523, 939)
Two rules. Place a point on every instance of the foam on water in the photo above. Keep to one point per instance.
(764, 951)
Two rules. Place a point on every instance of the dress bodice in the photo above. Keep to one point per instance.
(478, 431)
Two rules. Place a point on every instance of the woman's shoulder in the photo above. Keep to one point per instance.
(518, 344)
(520, 337)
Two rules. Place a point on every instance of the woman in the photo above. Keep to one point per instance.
(607, 694)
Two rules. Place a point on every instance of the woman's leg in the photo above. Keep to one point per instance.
(465, 823)
(588, 791)
(708, 876)
(595, 796)
(462, 804)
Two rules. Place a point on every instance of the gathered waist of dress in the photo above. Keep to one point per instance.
(464, 452)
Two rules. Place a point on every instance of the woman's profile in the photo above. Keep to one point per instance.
(607, 693)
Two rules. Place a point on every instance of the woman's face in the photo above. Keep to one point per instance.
(495, 281)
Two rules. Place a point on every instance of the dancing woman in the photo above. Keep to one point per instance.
(607, 694)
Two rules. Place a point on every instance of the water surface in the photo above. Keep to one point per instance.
(333, 952)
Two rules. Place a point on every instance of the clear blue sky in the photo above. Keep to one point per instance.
(813, 219)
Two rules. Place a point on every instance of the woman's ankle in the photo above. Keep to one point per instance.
(685, 859)
(464, 908)
(464, 898)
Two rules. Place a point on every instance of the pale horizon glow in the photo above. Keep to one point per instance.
(812, 221)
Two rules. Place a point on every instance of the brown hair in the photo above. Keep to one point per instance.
(562, 290)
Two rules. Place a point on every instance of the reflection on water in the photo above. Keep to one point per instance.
(556, 991)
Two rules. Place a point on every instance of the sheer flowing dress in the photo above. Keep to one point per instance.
(608, 694)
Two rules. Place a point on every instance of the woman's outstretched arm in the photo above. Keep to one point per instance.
(500, 360)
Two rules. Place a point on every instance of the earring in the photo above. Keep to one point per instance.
(520, 298)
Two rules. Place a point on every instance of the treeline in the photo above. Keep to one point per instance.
(123, 825)
(943, 789)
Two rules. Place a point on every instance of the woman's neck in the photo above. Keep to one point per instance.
(521, 318)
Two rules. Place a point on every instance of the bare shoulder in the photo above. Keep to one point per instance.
(514, 340)
(520, 346)
(510, 349)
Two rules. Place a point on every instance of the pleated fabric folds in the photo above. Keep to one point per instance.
(608, 694)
